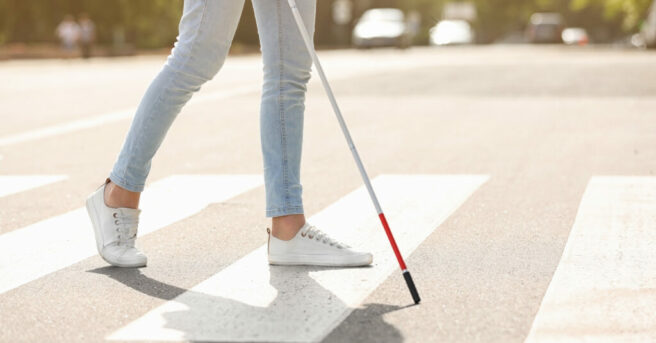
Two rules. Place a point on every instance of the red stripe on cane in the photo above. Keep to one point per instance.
(392, 241)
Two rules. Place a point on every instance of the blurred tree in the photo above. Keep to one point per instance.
(630, 12)
(153, 23)
(146, 23)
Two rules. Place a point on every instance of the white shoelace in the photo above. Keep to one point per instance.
(126, 226)
(312, 232)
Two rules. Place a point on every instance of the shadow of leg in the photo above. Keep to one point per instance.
(134, 279)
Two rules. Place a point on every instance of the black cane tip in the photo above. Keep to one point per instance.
(411, 287)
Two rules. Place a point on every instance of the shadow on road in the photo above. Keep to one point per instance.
(133, 278)
(366, 324)
(216, 318)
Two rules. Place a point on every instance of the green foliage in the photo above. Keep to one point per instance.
(630, 12)
(153, 23)
(146, 23)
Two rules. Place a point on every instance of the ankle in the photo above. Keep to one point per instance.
(286, 227)
(116, 196)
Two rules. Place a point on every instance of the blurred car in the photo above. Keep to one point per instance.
(545, 28)
(575, 36)
(451, 32)
(648, 30)
(381, 27)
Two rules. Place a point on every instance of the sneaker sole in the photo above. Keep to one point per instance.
(314, 260)
(92, 210)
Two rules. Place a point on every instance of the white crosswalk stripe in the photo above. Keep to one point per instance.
(250, 301)
(12, 184)
(47, 246)
(603, 288)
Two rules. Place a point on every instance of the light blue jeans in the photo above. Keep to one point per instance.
(206, 31)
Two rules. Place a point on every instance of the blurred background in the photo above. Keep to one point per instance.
(74, 28)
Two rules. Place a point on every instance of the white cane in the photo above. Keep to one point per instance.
(347, 135)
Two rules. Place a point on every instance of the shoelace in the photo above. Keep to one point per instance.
(312, 232)
(126, 226)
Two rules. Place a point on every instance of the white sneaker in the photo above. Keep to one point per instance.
(115, 230)
(311, 246)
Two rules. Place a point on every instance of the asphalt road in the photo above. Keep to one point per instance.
(503, 152)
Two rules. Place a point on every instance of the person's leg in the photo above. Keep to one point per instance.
(206, 31)
(287, 64)
(286, 73)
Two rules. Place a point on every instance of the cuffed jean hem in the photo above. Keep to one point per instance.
(121, 182)
(284, 211)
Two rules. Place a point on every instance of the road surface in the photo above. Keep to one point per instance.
(519, 181)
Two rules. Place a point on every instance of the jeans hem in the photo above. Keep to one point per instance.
(284, 211)
(123, 183)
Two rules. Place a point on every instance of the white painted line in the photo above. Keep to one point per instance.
(224, 94)
(65, 128)
(250, 301)
(343, 66)
(31, 252)
(111, 117)
(10, 184)
(603, 290)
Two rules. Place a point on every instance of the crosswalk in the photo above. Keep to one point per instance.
(44, 247)
(268, 296)
(602, 288)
